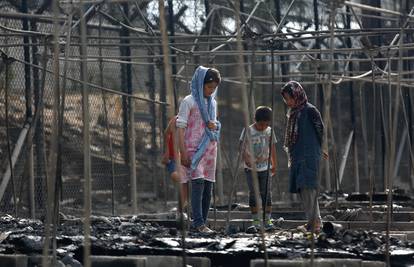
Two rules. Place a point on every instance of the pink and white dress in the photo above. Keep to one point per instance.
(189, 117)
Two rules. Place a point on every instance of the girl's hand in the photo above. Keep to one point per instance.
(211, 125)
(325, 155)
(185, 161)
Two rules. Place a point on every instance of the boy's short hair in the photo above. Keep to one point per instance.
(263, 113)
(212, 75)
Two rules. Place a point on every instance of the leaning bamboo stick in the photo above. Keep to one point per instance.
(246, 117)
(171, 113)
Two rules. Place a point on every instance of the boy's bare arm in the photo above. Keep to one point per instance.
(274, 159)
(245, 155)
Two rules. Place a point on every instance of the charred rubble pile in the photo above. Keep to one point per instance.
(130, 235)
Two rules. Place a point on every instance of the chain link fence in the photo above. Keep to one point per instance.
(130, 63)
(109, 121)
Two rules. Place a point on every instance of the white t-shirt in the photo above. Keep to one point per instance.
(185, 107)
(260, 142)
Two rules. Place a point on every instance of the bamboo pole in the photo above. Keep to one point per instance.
(377, 9)
(12, 155)
(108, 132)
(42, 155)
(9, 173)
(327, 99)
(132, 157)
(219, 184)
(86, 145)
(393, 144)
(60, 101)
(171, 113)
(271, 144)
(232, 39)
(371, 159)
(30, 166)
(34, 128)
(53, 150)
(252, 93)
(234, 176)
(246, 117)
(352, 109)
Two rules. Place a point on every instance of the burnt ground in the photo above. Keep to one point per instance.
(129, 235)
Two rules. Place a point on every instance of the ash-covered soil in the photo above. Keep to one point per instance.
(131, 236)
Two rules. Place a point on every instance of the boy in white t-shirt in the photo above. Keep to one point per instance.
(260, 136)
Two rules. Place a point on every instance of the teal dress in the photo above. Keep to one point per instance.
(305, 153)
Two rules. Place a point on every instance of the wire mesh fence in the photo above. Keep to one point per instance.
(109, 122)
(122, 60)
